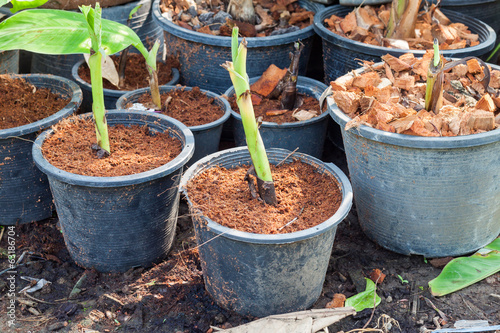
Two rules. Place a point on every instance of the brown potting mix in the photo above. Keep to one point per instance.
(190, 107)
(266, 100)
(303, 194)
(136, 73)
(22, 103)
(391, 97)
(134, 149)
(210, 17)
(368, 24)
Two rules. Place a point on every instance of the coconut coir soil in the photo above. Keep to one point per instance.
(303, 194)
(133, 149)
(264, 110)
(190, 107)
(22, 103)
(136, 73)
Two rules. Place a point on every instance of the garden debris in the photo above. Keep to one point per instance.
(35, 284)
(470, 105)
(337, 301)
(210, 17)
(57, 326)
(377, 276)
(308, 321)
(77, 288)
(440, 262)
(368, 24)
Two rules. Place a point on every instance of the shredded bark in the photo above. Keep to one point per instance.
(22, 103)
(134, 149)
(303, 194)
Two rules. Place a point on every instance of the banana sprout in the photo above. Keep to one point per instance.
(239, 77)
(435, 79)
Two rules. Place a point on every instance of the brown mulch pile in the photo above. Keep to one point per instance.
(22, 103)
(368, 24)
(210, 17)
(390, 97)
(133, 149)
(303, 194)
(266, 100)
(190, 107)
(136, 73)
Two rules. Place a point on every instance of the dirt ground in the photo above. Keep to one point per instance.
(170, 297)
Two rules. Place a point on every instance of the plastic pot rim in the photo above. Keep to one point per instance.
(480, 49)
(333, 221)
(302, 82)
(225, 41)
(73, 104)
(412, 141)
(112, 92)
(121, 101)
(119, 181)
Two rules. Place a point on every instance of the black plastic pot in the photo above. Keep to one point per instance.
(258, 274)
(206, 136)
(341, 55)
(308, 136)
(429, 196)
(201, 55)
(115, 223)
(24, 190)
(141, 22)
(110, 95)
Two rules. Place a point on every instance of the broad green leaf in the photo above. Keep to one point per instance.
(18, 5)
(51, 31)
(366, 299)
(465, 271)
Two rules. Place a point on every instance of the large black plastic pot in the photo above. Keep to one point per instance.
(141, 22)
(258, 274)
(341, 54)
(110, 95)
(201, 55)
(308, 136)
(115, 223)
(431, 196)
(206, 136)
(24, 190)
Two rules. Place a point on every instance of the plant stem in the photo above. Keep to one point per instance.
(98, 109)
(403, 18)
(289, 94)
(434, 85)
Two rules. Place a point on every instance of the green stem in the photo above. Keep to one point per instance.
(98, 109)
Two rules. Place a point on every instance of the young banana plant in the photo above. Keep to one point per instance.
(239, 77)
(64, 32)
(402, 19)
(435, 78)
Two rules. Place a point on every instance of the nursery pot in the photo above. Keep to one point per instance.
(341, 54)
(115, 223)
(141, 22)
(206, 136)
(430, 196)
(258, 274)
(110, 95)
(24, 190)
(201, 55)
(308, 136)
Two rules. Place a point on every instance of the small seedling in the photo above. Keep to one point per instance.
(403, 281)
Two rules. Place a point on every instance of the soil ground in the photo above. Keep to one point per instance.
(170, 297)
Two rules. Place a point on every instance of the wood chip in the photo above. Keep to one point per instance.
(481, 120)
(366, 79)
(473, 66)
(486, 103)
(396, 64)
(347, 101)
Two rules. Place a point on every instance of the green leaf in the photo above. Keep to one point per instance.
(465, 271)
(365, 299)
(18, 5)
(133, 11)
(50, 31)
